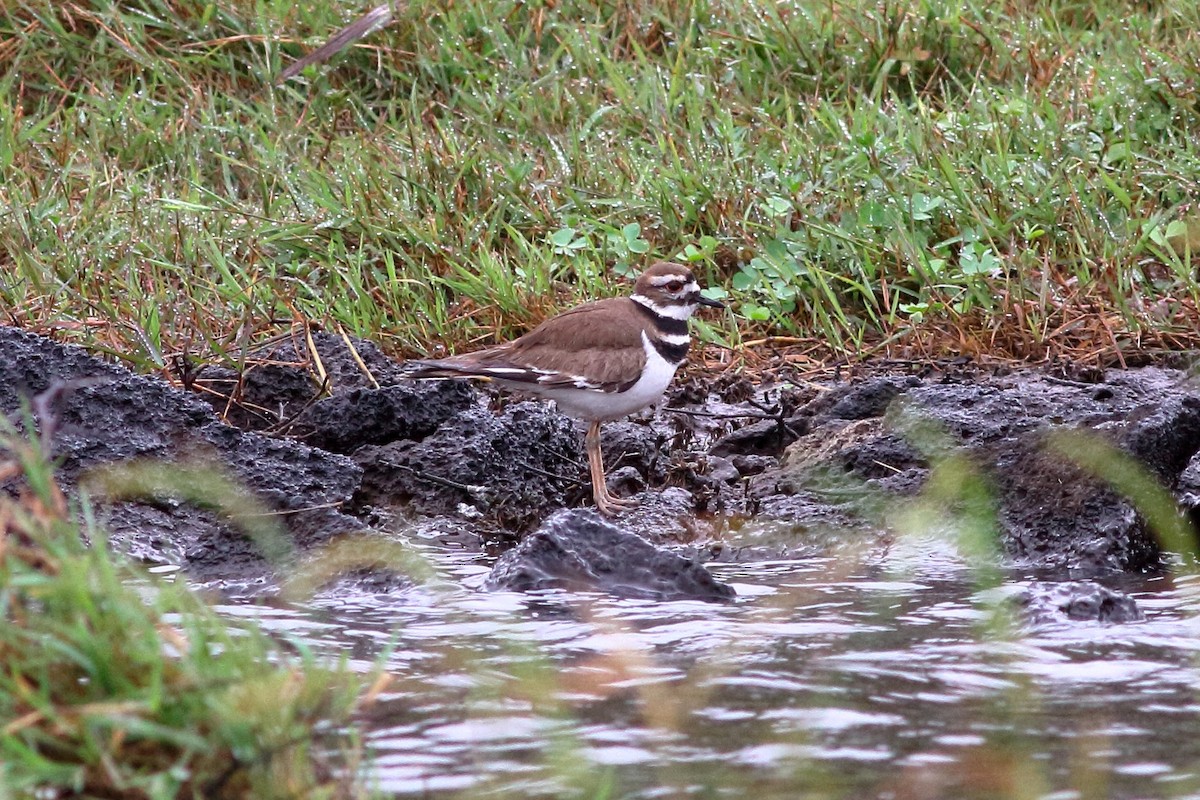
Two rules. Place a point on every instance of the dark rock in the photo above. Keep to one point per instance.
(752, 465)
(413, 410)
(804, 511)
(364, 580)
(882, 458)
(872, 397)
(763, 438)
(1027, 401)
(1187, 492)
(628, 444)
(580, 551)
(115, 417)
(831, 451)
(722, 469)
(1053, 513)
(1056, 516)
(1077, 600)
(279, 380)
(905, 483)
(260, 398)
(1166, 439)
(626, 482)
(515, 466)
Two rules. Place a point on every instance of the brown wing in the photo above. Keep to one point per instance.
(600, 340)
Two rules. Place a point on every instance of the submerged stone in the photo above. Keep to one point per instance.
(1079, 601)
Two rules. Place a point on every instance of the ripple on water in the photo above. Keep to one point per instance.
(882, 672)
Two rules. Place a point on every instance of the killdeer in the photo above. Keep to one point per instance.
(599, 361)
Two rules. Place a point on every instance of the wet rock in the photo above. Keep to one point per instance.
(363, 580)
(1053, 514)
(280, 390)
(515, 466)
(113, 416)
(1056, 516)
(279, 380)
(672, 515)
(1187, 491)
(261, 398)
(765, 437)
(889, 455)
(640, 447)
(865, 451)
(752, 465)
(626, 482)
(722, 469)
(851, 505)
(345, 422)
(872, 397)
(578, 550)
(1076, 600)
(1166, 439)
(1027, 401)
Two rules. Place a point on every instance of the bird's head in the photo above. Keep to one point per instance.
(671, 290)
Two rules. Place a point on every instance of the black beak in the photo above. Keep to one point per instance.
(704, 301)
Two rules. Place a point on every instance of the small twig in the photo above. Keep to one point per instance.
(357, 358)
(284, 512)
(715, 415)
(438, 480)
(547, 474)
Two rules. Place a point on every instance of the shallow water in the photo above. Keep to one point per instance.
(885, 674)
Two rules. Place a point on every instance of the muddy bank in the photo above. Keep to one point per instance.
(104, 415)
(1007, 432)
(336, 440)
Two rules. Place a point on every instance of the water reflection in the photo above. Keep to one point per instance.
(839, 676)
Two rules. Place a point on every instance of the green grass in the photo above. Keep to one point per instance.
(1017, 179)
(115, 684)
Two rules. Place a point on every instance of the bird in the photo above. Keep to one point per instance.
(598, 362)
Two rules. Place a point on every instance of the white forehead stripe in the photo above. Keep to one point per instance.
(663, 280)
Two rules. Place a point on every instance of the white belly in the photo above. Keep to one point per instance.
(591, 405)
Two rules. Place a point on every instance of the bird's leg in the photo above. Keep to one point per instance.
(606, 504)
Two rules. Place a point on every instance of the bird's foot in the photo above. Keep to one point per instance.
(610, 506)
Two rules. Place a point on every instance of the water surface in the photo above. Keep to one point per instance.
(892, 674)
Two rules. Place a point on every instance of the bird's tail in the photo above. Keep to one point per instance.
(441, 368)
(512, 375)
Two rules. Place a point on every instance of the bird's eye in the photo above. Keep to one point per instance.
(674, 286)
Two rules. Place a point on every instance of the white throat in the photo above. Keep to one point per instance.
(674, 312)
